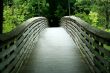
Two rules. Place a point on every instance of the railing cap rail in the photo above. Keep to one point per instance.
(15, 32)
(100, 33)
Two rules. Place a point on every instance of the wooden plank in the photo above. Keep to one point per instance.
(79, 45)
(100, 66)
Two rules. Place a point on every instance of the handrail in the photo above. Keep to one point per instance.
(94, 44)
(10, 35)
(17, 45)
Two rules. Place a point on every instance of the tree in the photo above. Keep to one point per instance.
(104, 10)
(82, 6)
(17, 11)
(1, 16)
(53, 9)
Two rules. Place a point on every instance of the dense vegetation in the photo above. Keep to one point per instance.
(95, 12)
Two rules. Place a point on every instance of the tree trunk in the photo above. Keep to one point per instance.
(53, 20)
(107, 18)
(1, 16)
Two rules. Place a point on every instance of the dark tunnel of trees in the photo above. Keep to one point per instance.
(14, 12)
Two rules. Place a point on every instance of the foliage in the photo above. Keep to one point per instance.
(60, 12)
(93, 16)
(95, 12)
(13, 16)
(8, 23)
(19, 11)
(103, 8)
(84, 16)
(99, 13)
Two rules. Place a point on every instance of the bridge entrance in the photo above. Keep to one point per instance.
(55, 52)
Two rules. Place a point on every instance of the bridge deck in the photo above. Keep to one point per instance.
(55, 52)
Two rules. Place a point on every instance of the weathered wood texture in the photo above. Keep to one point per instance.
(17, 45)
(55, 52)
(93, 43)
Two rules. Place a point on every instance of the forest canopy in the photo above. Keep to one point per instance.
(95, 12)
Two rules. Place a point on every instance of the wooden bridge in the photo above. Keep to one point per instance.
(75, 47)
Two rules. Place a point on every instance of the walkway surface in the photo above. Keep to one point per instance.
(55, 52)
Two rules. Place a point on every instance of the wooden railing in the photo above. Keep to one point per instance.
(17, 45)
(94, 44)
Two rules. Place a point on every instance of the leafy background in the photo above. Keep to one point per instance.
(95, 12)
